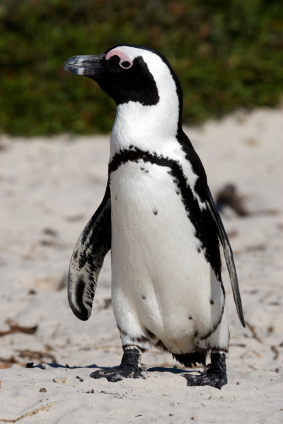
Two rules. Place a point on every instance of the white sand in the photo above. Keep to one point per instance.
(50, 188)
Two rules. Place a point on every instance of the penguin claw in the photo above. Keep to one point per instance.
(214, 374)
(130, 367)
(204, 380)
(117, 374)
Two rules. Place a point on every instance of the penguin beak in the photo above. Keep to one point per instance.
(90, 66)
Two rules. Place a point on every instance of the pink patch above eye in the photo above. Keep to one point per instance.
(123, 57)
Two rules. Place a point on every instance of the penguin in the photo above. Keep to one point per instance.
(159, 219)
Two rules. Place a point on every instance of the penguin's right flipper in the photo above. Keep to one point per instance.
(228, 256)
(87, 259)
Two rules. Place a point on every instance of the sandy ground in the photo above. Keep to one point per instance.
(49, 190)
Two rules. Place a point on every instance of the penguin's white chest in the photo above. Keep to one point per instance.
(161, 281)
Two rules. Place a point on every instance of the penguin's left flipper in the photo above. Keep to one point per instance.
(88, 257)
(130, 367)
(214, 374)
(228, 255)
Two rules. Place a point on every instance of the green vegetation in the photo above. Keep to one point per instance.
(227, 54)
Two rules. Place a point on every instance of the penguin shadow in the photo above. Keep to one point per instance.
(174, 370)
(94, 366)
(74, 367)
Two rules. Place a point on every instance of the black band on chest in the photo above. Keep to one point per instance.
(205, 228)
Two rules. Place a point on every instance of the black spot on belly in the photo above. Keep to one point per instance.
(143, 297)
(155, 211)
(199, 249)
(143, 169)
(177, 192)
(212, 302)
(190, 317)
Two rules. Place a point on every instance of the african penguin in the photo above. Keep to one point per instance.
(160, 222)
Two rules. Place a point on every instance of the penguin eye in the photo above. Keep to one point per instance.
(126, 64)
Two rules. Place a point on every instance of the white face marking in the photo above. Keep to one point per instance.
(140, 124)
(152, 128)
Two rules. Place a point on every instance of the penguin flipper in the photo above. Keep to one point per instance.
(87, 259)
(228, 256)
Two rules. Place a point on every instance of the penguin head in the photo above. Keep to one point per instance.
(132, 74)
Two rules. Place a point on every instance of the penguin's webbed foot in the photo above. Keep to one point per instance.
(130, 368)
(214, 374)
(117, 373)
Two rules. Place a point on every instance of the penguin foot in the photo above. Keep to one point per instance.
(214, 374)
(130, 367)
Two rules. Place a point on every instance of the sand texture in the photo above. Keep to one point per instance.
(49, 190)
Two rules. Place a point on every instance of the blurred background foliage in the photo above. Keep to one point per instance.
(228, 54)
